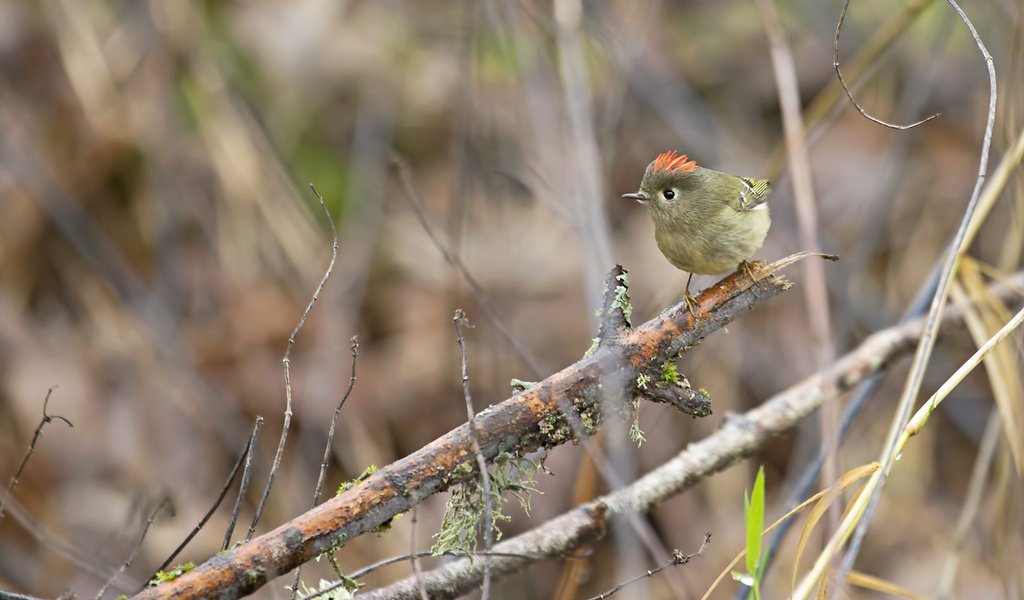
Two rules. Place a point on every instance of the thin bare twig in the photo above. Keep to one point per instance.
(327, 447)
(216, 503)
(924, 349)
(286, 361)
(363, 572)
(451, 258)
(337, 411)
(849, 94)
(85, 563)
(134, 551)
(414, 556)
(243, 488)
(31, 448)
(823, 107)
(678, 558)
(460, 321)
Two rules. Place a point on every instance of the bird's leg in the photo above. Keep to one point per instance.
(691, 302)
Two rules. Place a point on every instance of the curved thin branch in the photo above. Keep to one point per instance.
(286, 361)
(47, 418)
(849, 94)
(678, 558)
(459, 320)
(135, 551)
(216, 503)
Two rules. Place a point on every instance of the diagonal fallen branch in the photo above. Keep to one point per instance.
(740, 437)
(531, 419)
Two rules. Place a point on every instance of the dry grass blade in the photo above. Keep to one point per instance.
(868, 582)
(856, 511)
(1001, 177)
(852, 476)
(826, 498)
(1004, 374)
(920, 418)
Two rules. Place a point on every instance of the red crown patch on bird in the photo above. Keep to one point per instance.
(670, 161)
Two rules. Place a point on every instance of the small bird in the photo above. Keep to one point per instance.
(705, 222)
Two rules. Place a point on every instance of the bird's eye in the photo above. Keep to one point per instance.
(669, 194)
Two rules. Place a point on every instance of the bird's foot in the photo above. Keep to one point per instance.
(691, 304)
(748, 268)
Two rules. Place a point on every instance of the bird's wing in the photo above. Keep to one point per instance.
(754, 193)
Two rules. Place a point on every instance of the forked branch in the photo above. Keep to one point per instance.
(529, 420)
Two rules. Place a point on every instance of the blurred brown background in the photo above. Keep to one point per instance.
(158, 244)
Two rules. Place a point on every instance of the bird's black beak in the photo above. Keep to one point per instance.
(638, 196)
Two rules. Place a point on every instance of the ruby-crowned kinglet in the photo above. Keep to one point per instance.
(705, 221)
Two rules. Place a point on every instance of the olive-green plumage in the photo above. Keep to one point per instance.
(705, 222)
